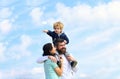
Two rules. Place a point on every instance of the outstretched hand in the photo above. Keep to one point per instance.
(45, 31)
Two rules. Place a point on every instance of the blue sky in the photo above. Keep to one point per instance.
(93, 28)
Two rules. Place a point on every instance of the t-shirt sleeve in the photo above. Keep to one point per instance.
(54, 65)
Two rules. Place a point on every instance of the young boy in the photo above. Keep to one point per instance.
(57, 33)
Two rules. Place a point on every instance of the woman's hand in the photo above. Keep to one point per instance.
(52, 58)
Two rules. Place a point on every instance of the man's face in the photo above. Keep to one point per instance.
(61, 48)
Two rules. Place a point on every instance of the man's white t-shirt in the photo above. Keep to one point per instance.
(67, 70)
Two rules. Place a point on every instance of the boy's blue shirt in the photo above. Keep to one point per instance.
(56, 36)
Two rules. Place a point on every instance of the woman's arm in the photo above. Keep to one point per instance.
(59, 70)
(42, 59)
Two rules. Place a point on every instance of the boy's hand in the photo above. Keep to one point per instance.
(45, 31)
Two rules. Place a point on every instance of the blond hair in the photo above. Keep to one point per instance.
(58, 25)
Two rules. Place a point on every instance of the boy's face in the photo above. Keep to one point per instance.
(57, 30)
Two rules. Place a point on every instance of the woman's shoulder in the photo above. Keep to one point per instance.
(48, 60)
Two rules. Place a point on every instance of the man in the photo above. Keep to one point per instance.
(68, 68)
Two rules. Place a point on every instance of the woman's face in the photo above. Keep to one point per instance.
(53, 51)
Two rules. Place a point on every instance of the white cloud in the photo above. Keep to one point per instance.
(37, 70)
(115, 0)
(5, 26)
(25, 41)
(6, 2)
(102, 36)
(12, 73)
(110, 51)
(99, 16)
(35, 2)
(90, 41)
(21, 73)
(83, 75)
(2, 51)
(118, 77)
(20, 50)
(1, 75)
(102, 73)
(106, 61)
(5, 13)
(113, 12)
(37, 15)
(81, 15)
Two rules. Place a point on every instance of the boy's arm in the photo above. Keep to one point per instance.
(42, 59)
(75, 69)
(66, 38)
(75, 64)
(50, 33)
(71, 58)
(45, 31)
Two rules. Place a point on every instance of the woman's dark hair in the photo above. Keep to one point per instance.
(47, 48)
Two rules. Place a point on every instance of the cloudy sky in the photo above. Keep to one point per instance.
(93, 28)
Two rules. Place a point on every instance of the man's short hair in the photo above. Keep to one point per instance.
(59, 40)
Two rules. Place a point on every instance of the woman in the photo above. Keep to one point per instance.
(52, 70)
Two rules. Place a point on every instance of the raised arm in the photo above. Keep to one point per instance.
(45, 31)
